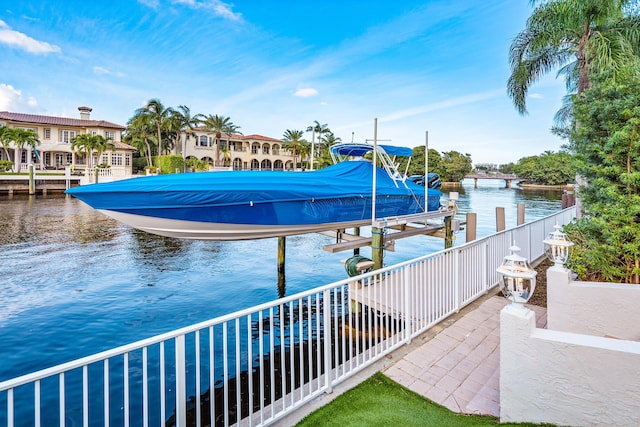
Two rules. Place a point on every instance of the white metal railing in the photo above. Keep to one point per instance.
(254, 366)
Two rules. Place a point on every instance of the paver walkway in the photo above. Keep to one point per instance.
(459, 366)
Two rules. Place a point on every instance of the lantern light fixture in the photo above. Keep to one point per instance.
(557, 247)
(518, 277)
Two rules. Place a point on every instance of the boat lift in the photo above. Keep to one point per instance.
(404, 226)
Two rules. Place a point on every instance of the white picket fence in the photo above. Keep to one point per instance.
(254, 366)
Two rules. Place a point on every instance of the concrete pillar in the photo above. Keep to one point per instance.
(16, 160)
(516, 325)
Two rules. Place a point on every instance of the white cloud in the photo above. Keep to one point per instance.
(447, 103)
(306, 92)
(536, 96)
(103, 71)
(218, 7)
(21, 41)
(11, 100)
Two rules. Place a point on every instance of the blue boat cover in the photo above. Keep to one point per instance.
(339, 193)
(346, 179)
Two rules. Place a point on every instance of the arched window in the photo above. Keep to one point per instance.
(265, 165)
(276, 149)
(237, 164)
(289, 165)
(265, 148)
(255, 165)
(278, 165)
(204, 140)
(254, 148)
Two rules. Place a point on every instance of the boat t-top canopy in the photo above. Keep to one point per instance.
(359, 150)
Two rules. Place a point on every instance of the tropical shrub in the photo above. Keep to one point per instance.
(5, 165)
(197, 164)
(606, 141)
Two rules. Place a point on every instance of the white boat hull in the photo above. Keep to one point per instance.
(198, 230)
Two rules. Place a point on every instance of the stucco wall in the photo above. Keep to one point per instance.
(593, 308)
(565, 378)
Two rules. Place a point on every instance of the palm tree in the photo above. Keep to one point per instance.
(305, 152)
(217, 125)
(327, 140)
(184, 122)
(24, 138)
(230, 129)
(316, 129)
(5, 139)
(139, 132)
(293, 141)
(87, 143)
(158, 114)
(578, 37)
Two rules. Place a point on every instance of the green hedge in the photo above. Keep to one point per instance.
(171, 164)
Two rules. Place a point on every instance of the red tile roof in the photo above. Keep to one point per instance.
(122, 146)
(57, 121)
(242, 137)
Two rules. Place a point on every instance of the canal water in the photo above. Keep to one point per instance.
(74, 282)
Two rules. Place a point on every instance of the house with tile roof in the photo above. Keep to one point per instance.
(54, 150)
(237, 152)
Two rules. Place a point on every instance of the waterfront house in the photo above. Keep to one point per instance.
(237, 152)
(54, 150)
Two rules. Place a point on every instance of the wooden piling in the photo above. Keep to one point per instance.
(32, 181)
(282, 248)
(520, 213)
(500, 224)
(448, 233)
(472, 220)
(377, 246)
(356, 232)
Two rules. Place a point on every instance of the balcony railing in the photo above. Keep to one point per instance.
(257, 365)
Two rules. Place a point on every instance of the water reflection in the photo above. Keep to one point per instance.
(52, 220)
(76, 281)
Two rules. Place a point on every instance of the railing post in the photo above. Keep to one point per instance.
(485, 266)
(456, 278)
(326, 316)
(181, 389)
(408, 286)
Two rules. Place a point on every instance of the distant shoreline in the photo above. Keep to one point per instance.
(568, 187)
(546, 187)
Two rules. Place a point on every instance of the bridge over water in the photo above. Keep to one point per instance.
(508, 178)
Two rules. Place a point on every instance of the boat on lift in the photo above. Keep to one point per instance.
(240, 205)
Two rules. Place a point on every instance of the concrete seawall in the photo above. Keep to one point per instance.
(19, 184)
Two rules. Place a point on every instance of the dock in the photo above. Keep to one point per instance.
(43, 184)
(398, 228)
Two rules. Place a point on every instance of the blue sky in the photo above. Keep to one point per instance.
(416, 66)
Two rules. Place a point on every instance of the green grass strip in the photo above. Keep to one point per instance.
(379, 401)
